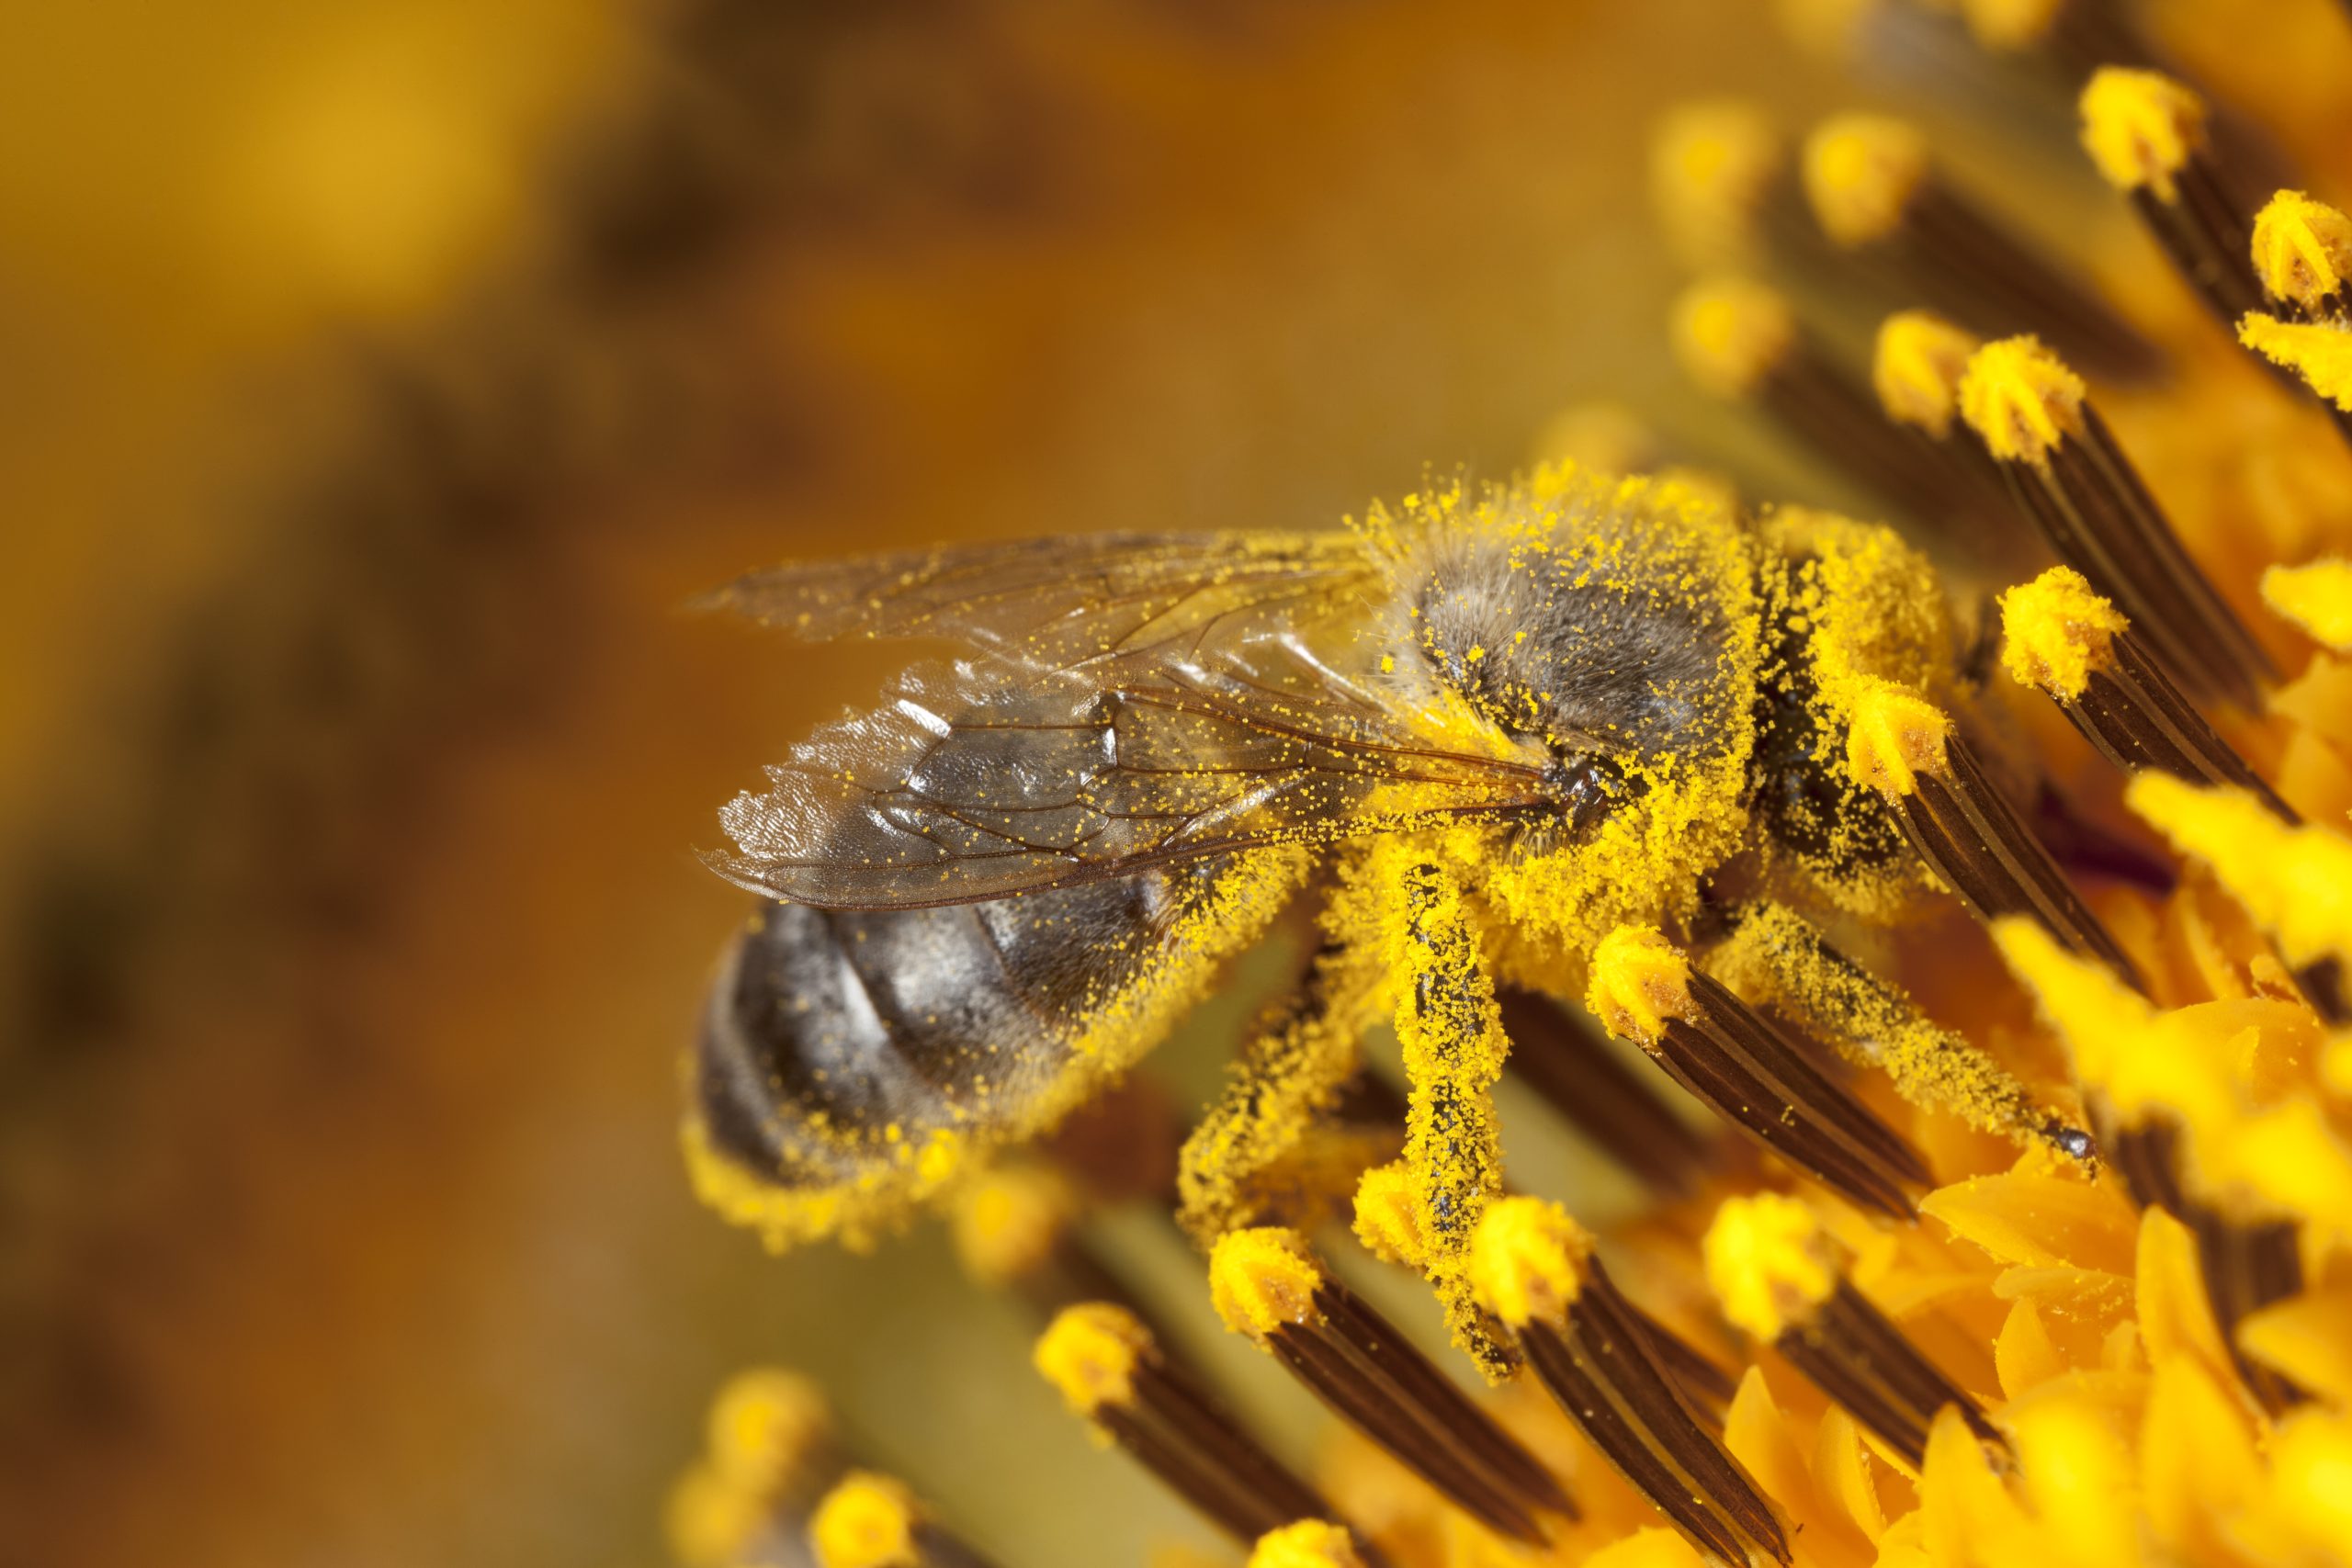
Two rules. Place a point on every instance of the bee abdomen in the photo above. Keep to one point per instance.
(837, 1044)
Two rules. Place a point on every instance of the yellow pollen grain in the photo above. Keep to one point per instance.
(2295, 881)
(1917, 366)
(2302, 249)
(2320, 352)
(866, 1521)
(1008, 1224)
(1710, 167)
(1769, 1263)
(763, 1425)
(1729, 334)
(2316, 596)
(1527, 1260)
(2021, 399)
(1894, 736)
(2141, 129)
(1309, 1543)
(2010, 26)
(1263, 1279)
(1389, 1217)
(1090, 1352)
(1860, 172)
(1640, 982)
(2055, 631)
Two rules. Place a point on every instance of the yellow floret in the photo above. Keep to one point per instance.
(2320, 352)
(2141, 129)
(1090, 1353)
(1860, 172)
(2011, 25)
(1263, 1279)
(762, 1426)
(1916, 368)
(1527, 1260)
(867, 1521)
(1008, 1224)
(1769, 1263)
(1640, 981)
(2021, 399)
(1710, 165)
(1309, 1543)
(2316, 596)
(2295, 881)
(2056, 631)
(1389, 1217)
(1730, 334)
(1894, 736)
(2302, 249)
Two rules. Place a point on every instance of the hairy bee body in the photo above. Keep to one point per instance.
(1577, 700)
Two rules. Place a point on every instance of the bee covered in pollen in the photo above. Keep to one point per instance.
(1485, 737)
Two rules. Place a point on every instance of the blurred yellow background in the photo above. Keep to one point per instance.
(376, 379)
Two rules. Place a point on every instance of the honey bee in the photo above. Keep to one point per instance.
(1475, 734)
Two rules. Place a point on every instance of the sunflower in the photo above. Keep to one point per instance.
(2120, 1335)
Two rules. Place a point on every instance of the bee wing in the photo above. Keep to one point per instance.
(987, 780)
(1049, 604)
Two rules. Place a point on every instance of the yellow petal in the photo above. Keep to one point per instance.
(2079, 1475)
(1841, 1466)
(1647, 1549)
(2023, 1356)
(2308, 1337)
(2198, 1465)
(2039, 1219)
(2175, 1315)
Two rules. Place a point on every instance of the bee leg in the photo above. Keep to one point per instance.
(1450, 1031)
(1244, 1163)
(1776, 956)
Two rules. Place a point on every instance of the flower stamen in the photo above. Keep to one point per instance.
(873, 1521)
(1905, 748)
(1269, 1287)
(2071, 481)
(1778, 1276)
(1112, 1373)
(1759, 1079)
(1533, 1267)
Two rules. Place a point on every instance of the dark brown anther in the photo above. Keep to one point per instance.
(1753, 1072)
(1533, 1267)
(1780, 1279)
(1113, 1373)
(1270, 1286)
(1904, 747)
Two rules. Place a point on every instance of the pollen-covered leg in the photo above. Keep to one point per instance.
(1240, 1165)
(1449, 1029)
(1777, 955)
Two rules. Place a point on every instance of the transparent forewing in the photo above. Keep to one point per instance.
(1050, 604)
(984, 780)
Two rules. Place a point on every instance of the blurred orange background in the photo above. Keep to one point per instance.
(379, 378)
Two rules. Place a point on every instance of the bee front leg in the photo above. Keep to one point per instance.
(1451, 1035)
